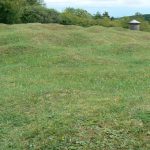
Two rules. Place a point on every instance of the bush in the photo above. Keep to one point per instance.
(145, 26)
(10, 11)
(80, 17)
(37, 13)
(78, 12)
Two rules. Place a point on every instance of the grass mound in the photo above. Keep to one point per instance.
(68, 88)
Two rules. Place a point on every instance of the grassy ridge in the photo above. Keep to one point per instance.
(68, 87)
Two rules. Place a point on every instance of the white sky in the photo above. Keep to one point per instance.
(124, 7)
(105, 3)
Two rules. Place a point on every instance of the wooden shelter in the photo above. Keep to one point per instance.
(134, 25)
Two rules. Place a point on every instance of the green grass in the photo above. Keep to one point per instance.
(74, 88)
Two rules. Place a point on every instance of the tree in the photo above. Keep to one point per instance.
(124, 22)
(106, 15)
(98, 16)
(73, 16)
(112, 18)
(35, 2)
(138, 14)
(10, 11)
(78, 12)
(36, 13)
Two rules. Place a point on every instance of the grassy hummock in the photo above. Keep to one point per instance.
(74, 88)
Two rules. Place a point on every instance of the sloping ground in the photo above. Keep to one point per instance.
(74, 88)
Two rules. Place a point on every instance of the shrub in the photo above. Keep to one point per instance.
(80, 17)
(39, 14)
(10, 11)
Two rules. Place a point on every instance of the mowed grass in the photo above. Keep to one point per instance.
(74, 88)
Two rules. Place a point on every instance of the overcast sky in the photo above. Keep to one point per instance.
(116, 8)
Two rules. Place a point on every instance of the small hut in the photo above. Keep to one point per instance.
(134, 25)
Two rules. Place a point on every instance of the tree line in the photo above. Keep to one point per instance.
(35, 11)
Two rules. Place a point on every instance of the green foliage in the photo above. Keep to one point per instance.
(142, 17)
(10, 11)
(69, 19)
(145, 26)
(73, 16)
(106, 15)
(124, 22)
(32, 11)
(39, 14)
(147, 17)
(97, 16)
(78, 12)
(33, 2)
(106, 22)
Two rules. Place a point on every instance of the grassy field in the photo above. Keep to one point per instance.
(74, 88)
